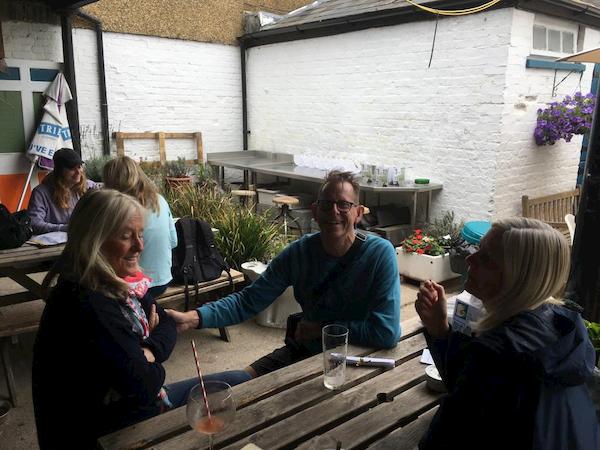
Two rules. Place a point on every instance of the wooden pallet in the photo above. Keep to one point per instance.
(161, 137)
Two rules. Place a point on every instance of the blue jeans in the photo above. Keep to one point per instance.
(178, 392)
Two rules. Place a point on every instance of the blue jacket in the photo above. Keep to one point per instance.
(518, 386)
(365, 297)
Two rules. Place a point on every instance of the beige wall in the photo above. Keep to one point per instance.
(197, 20)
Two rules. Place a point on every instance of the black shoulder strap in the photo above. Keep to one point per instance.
(344, 262)
(189, 240)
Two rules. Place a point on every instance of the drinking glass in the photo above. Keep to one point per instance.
(335, 350)
(219, 397)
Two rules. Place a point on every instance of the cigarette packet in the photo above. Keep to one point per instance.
(368, 361)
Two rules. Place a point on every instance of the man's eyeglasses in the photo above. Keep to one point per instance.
(342, 205)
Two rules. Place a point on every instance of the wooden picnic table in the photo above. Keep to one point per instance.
(18, 263)
(290, 408)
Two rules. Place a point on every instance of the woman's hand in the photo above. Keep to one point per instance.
(153, 320)
(184, 320)
(148, 354)
(431, 307)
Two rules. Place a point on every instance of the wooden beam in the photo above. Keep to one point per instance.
(199, 148)
(120, 143)
(162, 151)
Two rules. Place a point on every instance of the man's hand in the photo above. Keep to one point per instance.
(308, 331)
(431, 307)
(184, 320)
(148, 354)
(153, 320)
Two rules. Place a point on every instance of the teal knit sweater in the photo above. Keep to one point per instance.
(365, 297)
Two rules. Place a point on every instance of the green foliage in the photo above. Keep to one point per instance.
(94, 166)
(593, 329)
(246, 236)
(176, 169)
(243, 234)
(445, 230)
(422, 244)
(204, 176)
(154, 172)
(203, 202)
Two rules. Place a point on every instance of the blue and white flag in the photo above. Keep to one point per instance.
(53, 131)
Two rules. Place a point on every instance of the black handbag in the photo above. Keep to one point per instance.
(15, 228)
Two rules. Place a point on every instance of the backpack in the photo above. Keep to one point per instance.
(196, 259)
(15, 228)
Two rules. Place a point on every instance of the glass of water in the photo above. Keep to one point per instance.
(335, 350)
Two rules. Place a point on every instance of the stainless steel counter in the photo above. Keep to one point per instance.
(282, 165)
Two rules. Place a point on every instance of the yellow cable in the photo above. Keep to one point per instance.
(456, 12)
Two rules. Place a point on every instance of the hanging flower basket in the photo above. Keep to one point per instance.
(561, 120)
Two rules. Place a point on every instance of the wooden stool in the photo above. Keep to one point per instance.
(286, 202)
(247, 198)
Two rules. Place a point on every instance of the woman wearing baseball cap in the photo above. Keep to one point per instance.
(53, 201)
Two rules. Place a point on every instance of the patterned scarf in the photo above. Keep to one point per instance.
(138, 287)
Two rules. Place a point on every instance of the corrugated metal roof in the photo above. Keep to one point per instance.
(323, 10)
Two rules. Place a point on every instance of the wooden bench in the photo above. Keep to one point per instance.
(25, 317)
(552, 209)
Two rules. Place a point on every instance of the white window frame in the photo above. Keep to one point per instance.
(558, 25)
(27, 87)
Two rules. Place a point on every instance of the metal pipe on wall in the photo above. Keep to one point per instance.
(101, 80)
(69, 71)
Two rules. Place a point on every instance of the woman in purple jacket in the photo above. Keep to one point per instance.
(53, 201)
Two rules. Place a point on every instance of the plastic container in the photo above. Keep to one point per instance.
(472, 232)
(275, 316)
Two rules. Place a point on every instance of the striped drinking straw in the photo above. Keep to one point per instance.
(201, 379)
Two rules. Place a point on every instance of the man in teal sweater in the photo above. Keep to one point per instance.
(339, 276)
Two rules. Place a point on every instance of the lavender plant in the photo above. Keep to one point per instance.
(561, 120)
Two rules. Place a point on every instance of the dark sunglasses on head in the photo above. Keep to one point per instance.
(342, 205)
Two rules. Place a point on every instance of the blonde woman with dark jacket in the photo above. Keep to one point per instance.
(519, 382)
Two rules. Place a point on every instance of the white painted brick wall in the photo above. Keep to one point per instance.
(36, 41)
(370, 97)
(523, 167)
(157, 84)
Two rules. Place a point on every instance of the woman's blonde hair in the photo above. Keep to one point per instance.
(535, 270)
(125, 175)
(62, 192)
(98, 216)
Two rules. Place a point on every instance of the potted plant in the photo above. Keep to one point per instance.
(561, 120)
(94, 166)
(177, 173)
(422, 257)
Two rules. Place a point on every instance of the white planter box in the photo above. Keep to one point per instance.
(425, 267)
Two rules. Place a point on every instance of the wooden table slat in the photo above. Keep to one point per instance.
(335, 410)
(378, 421)
(407, 437)
(166, 425)
(295, 399)
(157, 428)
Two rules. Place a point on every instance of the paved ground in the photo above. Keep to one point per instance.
(249, 342)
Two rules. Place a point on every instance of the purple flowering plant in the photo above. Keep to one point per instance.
(561, 120)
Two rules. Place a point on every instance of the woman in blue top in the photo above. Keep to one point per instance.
(125, 175)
